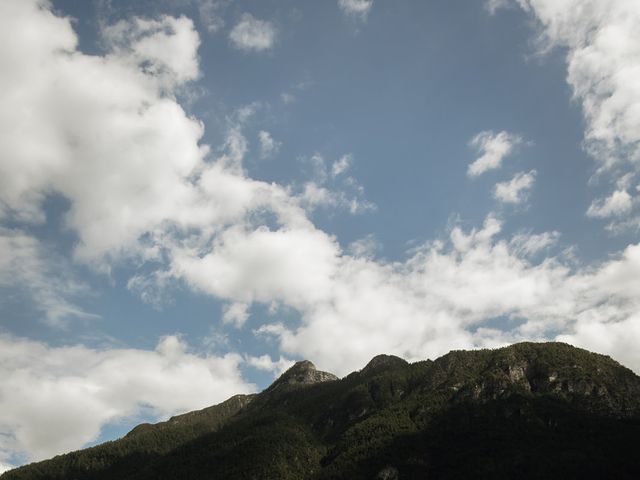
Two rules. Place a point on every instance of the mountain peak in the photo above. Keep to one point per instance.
(383, 362)
(576, 414)
(303, 372)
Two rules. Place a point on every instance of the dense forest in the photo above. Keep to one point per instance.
(531, 410)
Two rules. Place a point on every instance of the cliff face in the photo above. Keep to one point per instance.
(525, 411)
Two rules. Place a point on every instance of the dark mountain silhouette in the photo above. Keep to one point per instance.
(531, 410)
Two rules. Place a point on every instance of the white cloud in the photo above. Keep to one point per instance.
(265, 363)
(619, 203)
(443, 295)
(140, 165)
(56, 399)
(268, 146)
(602, 42)
(360, 8)
(493, 148)
(236, 314)
(290, 265)
(603, 63)
(253, 34)
(314, 195)
(515, 190)
(165, 48)
(365, 247)
(341, 165)
(329, 188)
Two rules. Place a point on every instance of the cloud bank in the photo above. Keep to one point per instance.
(56, 399)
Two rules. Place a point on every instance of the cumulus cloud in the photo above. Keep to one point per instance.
(107, 127)
(515, 190)
(603, 63)
(359, 8)
(268, 146)
(267, 364)
(254, 34)
(602, 43)
(165, 48)
(56, 399)
(492, 148)
(619, 203)
(443, 296)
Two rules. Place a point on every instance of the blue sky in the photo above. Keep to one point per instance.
(195, 194)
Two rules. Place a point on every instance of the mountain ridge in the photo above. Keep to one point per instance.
(392, 419)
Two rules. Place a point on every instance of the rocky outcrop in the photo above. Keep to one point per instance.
(302, 373)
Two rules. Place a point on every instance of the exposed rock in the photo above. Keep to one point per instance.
(578, 410)
(302, 373)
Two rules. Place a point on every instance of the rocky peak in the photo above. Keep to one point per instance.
(303, 372)
(383, 362)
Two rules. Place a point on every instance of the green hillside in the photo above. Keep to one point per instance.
(526, 411)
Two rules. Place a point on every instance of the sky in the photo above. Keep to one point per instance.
(196, 193)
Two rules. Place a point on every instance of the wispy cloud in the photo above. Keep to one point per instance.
(617, 204)
(515, 190)
(602, 42)
(252, 34)
(210, 12)
(492, 148)
(492, 6)
(358, 8)
(341, 165)
(268, 146)
(47, 279)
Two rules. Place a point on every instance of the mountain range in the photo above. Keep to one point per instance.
(528, 411)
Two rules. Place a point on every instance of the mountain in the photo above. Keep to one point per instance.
(530, 410)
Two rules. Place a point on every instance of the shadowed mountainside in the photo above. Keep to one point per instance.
(531, 410)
